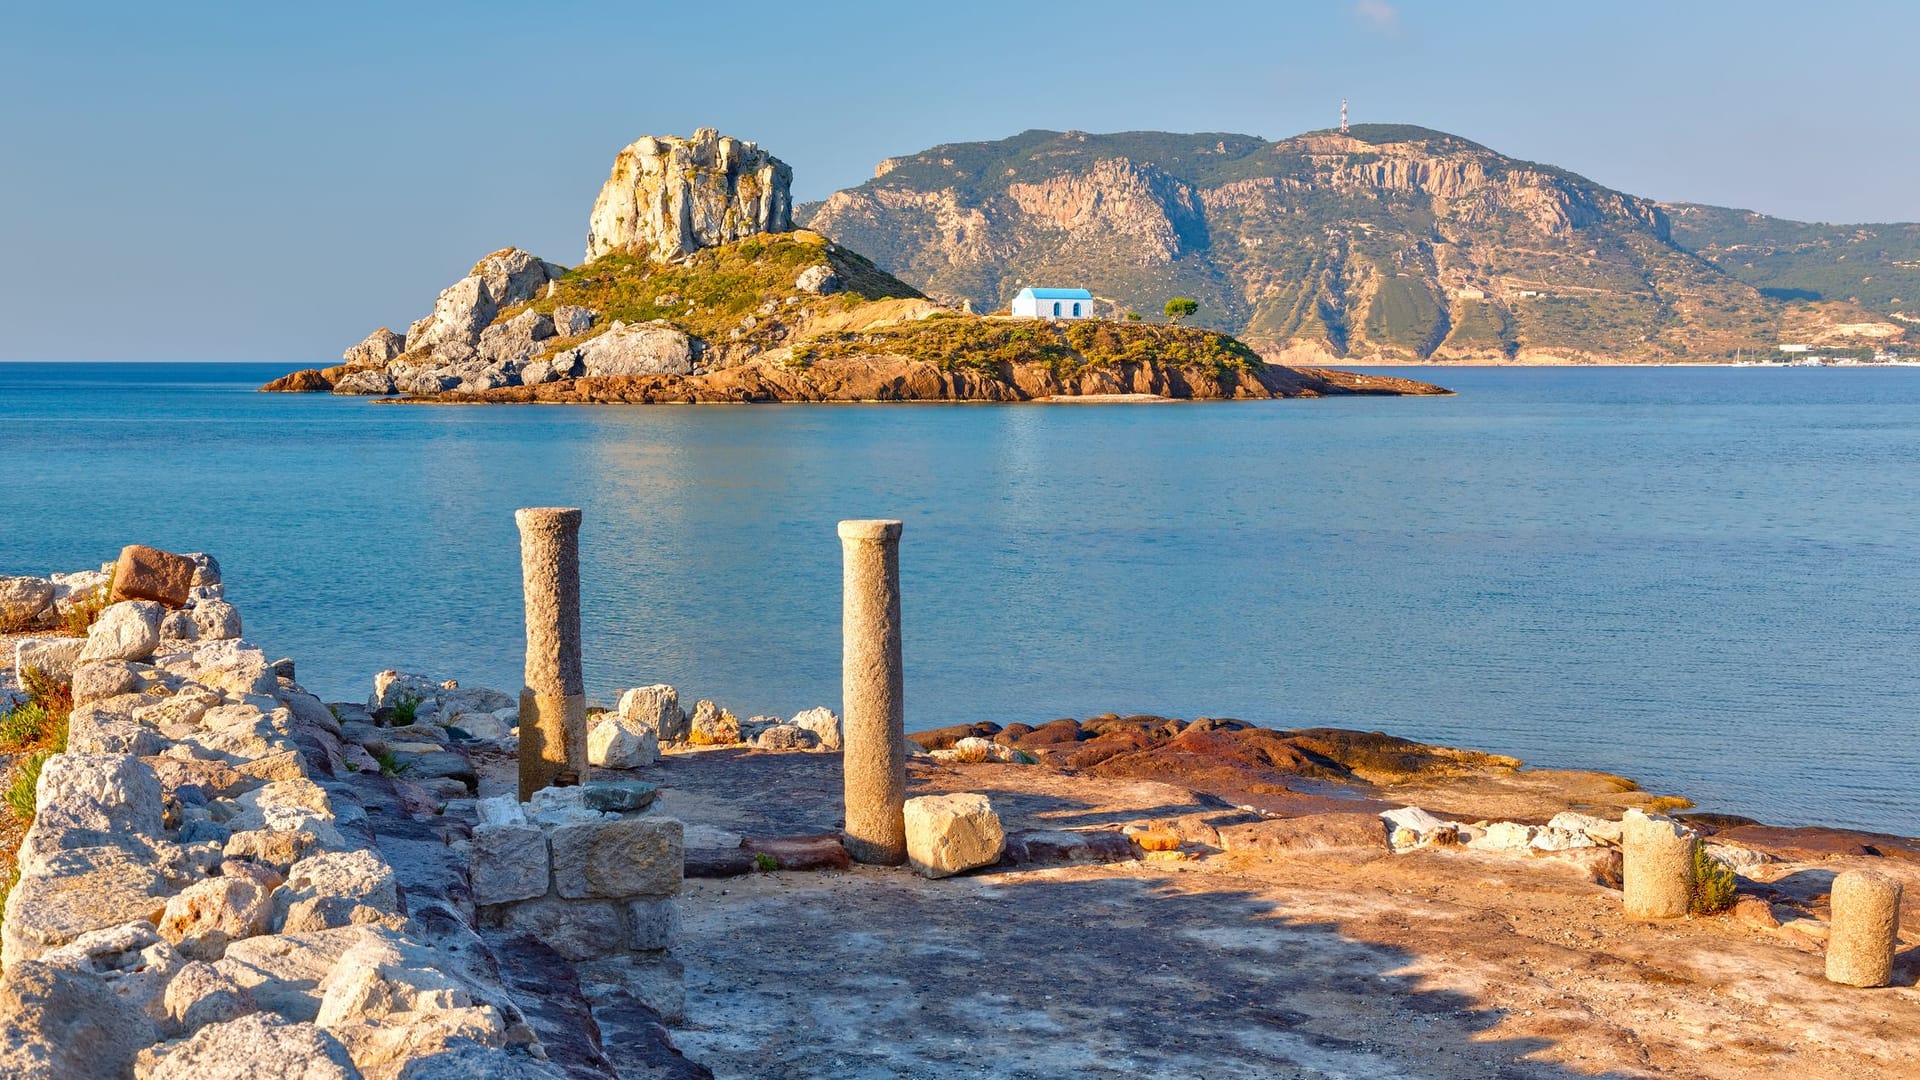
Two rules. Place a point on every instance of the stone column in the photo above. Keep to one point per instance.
(1865, 929)
(874, 740)
(1657, 867)
(553, 706)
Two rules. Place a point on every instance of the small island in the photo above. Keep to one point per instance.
(698, 289)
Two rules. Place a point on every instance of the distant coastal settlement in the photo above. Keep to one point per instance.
(698, 288)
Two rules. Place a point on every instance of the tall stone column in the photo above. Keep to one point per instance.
(1865, 929)
(1656, 867)
(874, 740)
(553, 705)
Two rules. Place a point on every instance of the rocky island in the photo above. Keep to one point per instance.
(698, 288)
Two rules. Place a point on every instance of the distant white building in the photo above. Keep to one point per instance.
(1032, 303)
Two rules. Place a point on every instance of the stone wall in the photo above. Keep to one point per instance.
(217, 884)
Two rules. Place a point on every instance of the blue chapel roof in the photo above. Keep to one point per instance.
(1056, 294)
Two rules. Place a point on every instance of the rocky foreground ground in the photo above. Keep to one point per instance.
(227, 877)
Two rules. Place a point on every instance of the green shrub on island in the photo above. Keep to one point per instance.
(990, 345)
(710, 293)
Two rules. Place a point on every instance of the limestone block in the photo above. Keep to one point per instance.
(786, 737)
(712, 725)
(283, 972)
(509, 862)
(178, 626)
(56, 656)
(130, 959)
(254, 1047)
(616, 743)
(95, 730)
(560, 806)
(376, 980)
(1597, 829)
(201, 994)
(657, 980)
(59, 1023)
(333, 889)
(823, 723)
(1864, 930)
(128, 630)
(81, 587)
(618, 796)
(279, 849)
(947, 834)
(185, 708)
(104, 679)
(1505, 836)
(106, 792)
(146, 573)
(216, 620)
(23, 600)
(206, 570)
(656, 707)
(576, 929)
(500, 810)
(67, 893)
(204, 917)
(231, 666)
(390, 688)
(655, 923)
(1657, 868)
(621, 858)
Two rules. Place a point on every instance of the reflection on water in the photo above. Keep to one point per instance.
(1705, 579)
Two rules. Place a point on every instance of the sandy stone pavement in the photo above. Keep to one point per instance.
(1437, 963)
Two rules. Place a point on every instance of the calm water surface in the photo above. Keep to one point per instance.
(1707, 579)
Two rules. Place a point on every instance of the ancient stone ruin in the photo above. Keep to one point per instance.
(225, 876)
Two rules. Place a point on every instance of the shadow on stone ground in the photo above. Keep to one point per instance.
(1081, 971)
(881, 974)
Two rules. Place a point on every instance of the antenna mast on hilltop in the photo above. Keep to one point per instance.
(1343, 116)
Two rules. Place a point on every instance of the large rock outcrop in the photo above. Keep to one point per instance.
(669, 196)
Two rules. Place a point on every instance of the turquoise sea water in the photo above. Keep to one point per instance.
(1706, 579)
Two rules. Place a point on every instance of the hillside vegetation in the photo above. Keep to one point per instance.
(963, 342)
(1875, 266)
(1388, 242)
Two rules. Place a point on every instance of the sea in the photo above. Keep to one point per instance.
(1706, 579)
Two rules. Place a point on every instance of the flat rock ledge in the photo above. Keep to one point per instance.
(216, 884)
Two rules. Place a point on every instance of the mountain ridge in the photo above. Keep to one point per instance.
(1386, 242)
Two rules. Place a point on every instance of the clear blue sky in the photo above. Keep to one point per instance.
(270, 182)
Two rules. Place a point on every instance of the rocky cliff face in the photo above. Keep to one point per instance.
(669, 197)
(1388, 242)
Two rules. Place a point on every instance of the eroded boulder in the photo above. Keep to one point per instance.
(947, 834)
(652, 348)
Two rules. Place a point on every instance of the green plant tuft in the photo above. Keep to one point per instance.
(765, 863)
(405, 710)
(391, 765)
(20, 796)
(1713, 884)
